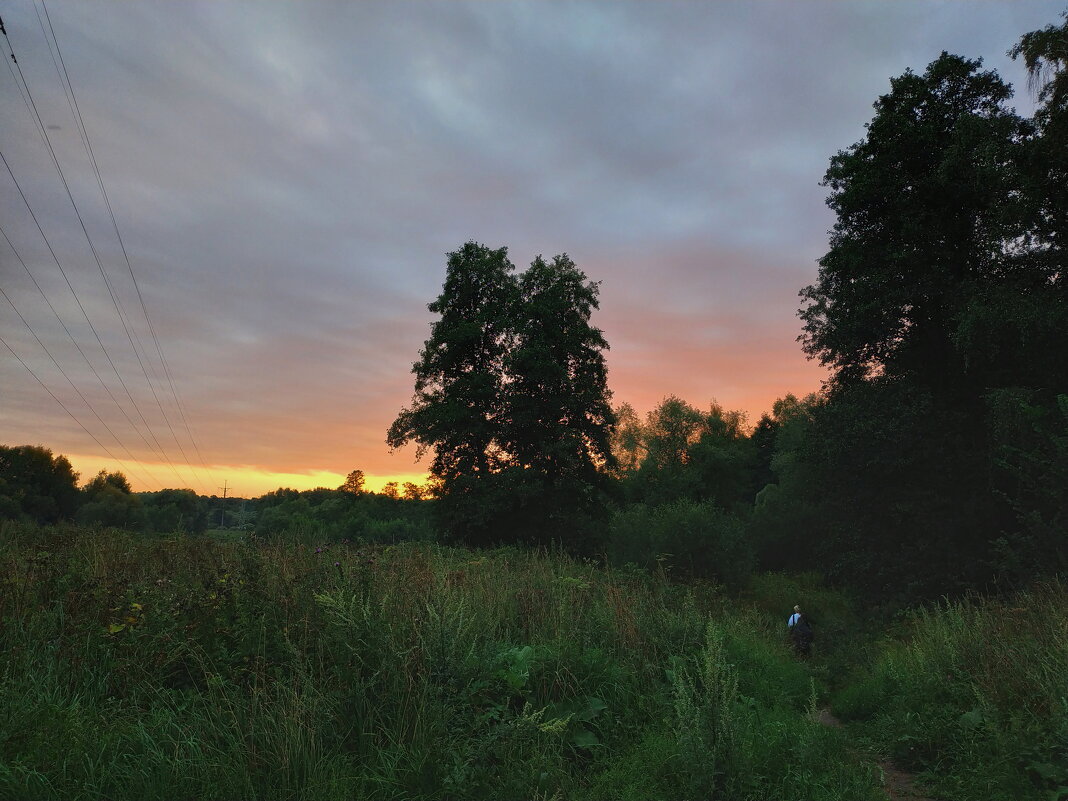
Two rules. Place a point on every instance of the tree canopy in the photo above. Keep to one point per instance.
(941, 308)
(511, 394)
(929, 218)
(37, 485)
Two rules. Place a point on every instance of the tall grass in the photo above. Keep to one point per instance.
(976, 695)
(186, 667)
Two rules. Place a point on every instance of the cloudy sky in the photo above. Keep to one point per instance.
(287, 178)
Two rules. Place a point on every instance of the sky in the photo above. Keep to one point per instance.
(286, 179)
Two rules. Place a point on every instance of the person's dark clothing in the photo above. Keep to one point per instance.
(801, 635)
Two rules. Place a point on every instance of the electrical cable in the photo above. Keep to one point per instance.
(72, 101)
(74, 341)
(103, 447)
(107, 355)
(100, 267)
(63, 372)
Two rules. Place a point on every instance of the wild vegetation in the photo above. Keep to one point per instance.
(972, 693)
(590, 603)
(141, 667)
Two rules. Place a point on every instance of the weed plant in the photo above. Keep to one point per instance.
(976, 696)
(142, 667)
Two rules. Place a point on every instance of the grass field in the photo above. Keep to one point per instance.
(222, 667)
(190, 667)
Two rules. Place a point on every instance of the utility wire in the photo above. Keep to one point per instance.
(100, 267)
(74, 341)
(18, 85)
(96, 257)
(107, 355)
(103, 447)
(72, 101)
(85, 400)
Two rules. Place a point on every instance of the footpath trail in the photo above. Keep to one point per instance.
(900, 785)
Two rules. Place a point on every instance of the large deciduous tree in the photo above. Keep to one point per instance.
(693, 455)
(109, 501)
(928, 211)
(457, 403)
(511, 395)
(1045, 54)
(354, 483)
(941, 308)
(557, 419)
(36, 485)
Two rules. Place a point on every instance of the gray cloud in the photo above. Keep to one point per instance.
(288, 177)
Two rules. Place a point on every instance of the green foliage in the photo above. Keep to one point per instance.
(833, 613)
(142, 667)
(740, 730)
(925, 216)
(511, 395)
(683, 453)
(684, 538)
(909, 515)
(172, 510)
(108, 501)
(354, 482)
(936, 464)
(456, 410)
(975, 696)
(104, 482)
(785, 524)
(1030, 448)
(705, 714)
(1043, 52)
(557, 419)
(35, 485)
(324, 515)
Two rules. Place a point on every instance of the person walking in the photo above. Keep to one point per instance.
(800, 632)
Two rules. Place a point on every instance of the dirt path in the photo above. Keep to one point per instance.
(900, 785)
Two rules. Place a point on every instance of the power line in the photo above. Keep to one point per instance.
(96, 257)
(115, 302)
(100, 342)
(74, 341)
(11, 70)
(73, 386)
(63, 406)
(87, 142)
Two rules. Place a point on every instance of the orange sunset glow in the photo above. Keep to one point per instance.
(241, 481)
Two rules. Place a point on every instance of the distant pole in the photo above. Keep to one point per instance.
(222, 512)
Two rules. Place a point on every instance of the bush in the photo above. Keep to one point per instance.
(686, 538)
(976, 696)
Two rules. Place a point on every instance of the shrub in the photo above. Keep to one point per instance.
(687, 538)
(976, 696)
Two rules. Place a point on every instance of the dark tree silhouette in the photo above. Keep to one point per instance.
(354, 483)
(511, 394)
(941, 309)
(557, 420)
(928, 215)
(457, 403)
(36, 485)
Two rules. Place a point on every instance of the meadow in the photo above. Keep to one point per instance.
(143, 667)
(973, 694)
(188, 666)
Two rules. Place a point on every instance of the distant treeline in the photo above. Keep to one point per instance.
(38, 486)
